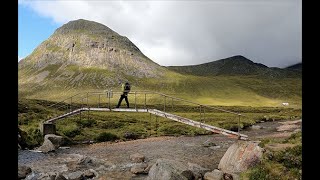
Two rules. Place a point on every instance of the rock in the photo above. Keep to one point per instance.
(214, 175)
(57, 141)
(197, 170)
(166, 169)
(215, 147)
(90, 173)
(139, 168)
(227, 176)
(137, 158)
(208, 143)
(240, 156)
(51, 143)
(23, 171)
(130, 135)
(85, 160)
(146, 171)
(256, 127)
(47, 146)
(77, 175)
(42, 176)
(59, 176)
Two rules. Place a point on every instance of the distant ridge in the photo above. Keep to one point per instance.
(297, 66)
(235, 65)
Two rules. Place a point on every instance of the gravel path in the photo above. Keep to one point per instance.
(116, 159)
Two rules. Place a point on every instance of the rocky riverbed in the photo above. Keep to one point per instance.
(112, 160)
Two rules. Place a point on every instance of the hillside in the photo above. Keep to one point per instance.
(297, 66)
(83, 56)
(236, 65)
(87, 55)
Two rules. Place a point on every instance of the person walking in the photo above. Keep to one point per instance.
(125, 89)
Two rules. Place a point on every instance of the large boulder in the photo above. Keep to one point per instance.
(240, 156)
(51, 142)
(166, 169)
(57, 141)
(47, 146)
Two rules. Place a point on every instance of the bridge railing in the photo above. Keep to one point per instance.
(148, 100)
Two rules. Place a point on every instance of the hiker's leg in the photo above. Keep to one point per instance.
(126, 98)
(120, 100)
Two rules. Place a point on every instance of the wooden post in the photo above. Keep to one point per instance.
(135, 100)
(164, 108)
(99, 102)
(145, 100)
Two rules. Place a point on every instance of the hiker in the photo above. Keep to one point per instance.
(125, 89)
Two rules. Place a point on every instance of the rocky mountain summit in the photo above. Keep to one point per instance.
(85, 51)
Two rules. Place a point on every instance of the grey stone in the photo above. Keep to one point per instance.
(60, 177)
(51, 143)
(166, 169)
(139, 168)
(256, 127)
(214, 175)
(89, 173)
(215, 147)
(208, 143)
(197, 170)
(77, 175)
(137, 158)
(240, 156)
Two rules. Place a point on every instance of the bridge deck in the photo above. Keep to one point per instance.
(161, 114)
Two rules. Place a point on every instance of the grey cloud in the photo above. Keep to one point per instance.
(193, 32)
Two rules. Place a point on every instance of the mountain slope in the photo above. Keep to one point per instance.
(297, 66)
(84, 54)
(236, 65)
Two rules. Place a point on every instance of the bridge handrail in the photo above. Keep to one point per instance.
(143, 92)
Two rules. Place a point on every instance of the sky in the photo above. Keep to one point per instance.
(179, 32)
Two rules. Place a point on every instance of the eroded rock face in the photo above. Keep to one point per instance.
(240, 156)
(166, 169)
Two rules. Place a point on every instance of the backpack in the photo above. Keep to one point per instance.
(127, 87)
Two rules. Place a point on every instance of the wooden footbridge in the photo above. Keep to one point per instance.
(92, 101)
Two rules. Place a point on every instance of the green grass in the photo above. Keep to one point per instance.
(285, 164)
(212, 90)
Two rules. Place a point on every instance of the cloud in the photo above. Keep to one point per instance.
(19, 58)
(193, 32)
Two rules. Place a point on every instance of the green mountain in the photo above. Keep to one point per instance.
(236, 65)
(83, 56)
(297, 66)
